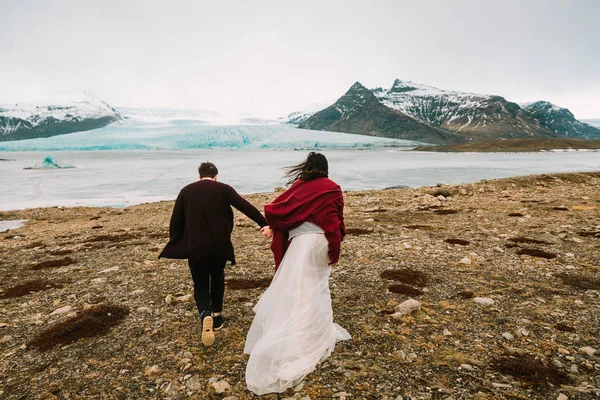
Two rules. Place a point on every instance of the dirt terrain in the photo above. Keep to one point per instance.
(506, 273)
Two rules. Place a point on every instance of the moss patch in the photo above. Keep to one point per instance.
(95, 321)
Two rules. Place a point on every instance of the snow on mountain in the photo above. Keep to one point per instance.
(560, 120)
(64, 113)
(453, 116)
(469, 114)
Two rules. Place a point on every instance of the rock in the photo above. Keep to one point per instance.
(169, 299)
(193, 383)
(152, 371)
(547, 238)
(498, 249)
(185, 298)
(590, 351)
(574, 369)
(441, 198)
(62, 310)
(231, 398)
(562, 397)
(466, 261)
(138, 291)
(406, 307)
(467, 367)
(557, 363)
(507, 336)
(522, 332)
(407, 245)
(221, 386)
(447, 332)
(501, 385)
(485, 301)
(563, 351)
(569, 255)
(111, 269)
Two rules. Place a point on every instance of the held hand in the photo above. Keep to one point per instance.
(266, 232)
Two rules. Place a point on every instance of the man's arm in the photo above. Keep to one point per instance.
(177, 224)
(246, 208)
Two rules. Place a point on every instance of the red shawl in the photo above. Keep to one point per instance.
(319, 201)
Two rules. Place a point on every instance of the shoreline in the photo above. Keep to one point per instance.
(518, 145)
(527, 246)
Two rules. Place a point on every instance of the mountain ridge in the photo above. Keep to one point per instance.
(454, 116)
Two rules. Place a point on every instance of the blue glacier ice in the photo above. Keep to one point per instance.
(50, 162)
(178, 134)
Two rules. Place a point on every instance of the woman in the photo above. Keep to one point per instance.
(293, 329)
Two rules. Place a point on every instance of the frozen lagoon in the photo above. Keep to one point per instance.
(119, 178)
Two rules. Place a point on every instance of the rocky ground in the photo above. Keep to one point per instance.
(505, 275)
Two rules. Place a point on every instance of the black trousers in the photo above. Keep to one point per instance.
(209, 284)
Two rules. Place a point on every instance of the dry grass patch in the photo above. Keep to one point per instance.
(536, 253)
(95, 321)
(585, 282)
(358, 231)
(61, 262)
(446, 212)
(405, 289)
(530, 370)
(407, 276)
(61, 252)
(27, 288)
(589, 233)
(521, 239)
(563, 327)
(461, 242)
(242, 284)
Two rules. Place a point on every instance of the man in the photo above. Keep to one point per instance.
(200, 230)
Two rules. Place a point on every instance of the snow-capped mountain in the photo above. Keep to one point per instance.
(560, 120)
(453, 116)
(67, 113)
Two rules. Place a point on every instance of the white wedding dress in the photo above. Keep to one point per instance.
(293, 329)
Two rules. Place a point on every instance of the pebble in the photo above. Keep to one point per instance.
(486, 301)
(501, 385)
(563, 351)
(406, 308)
(466, 261)
(569, 255)
(62, 310)
(153, 370)
(447, 332)
(574, 369)
(104, 271)
(231, 398)
(169, 299)
(522, 332)
(562, 397)
(186, 298)
(498, 249)
(221, 386)
(507, 336)
(193, 383)
(557, 363)
(590, 351)
(467, 367)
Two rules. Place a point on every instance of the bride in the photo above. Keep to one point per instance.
(293, 329)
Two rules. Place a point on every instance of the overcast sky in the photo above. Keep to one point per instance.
(274, 57)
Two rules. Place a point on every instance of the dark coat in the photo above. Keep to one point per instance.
(202, 222)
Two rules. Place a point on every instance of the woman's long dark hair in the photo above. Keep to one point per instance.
(315, 166)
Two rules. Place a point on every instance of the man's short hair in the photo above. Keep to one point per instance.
(207, 170)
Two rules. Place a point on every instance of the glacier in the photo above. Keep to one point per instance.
(168, 131)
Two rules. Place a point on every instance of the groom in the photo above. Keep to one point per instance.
(200, 230)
